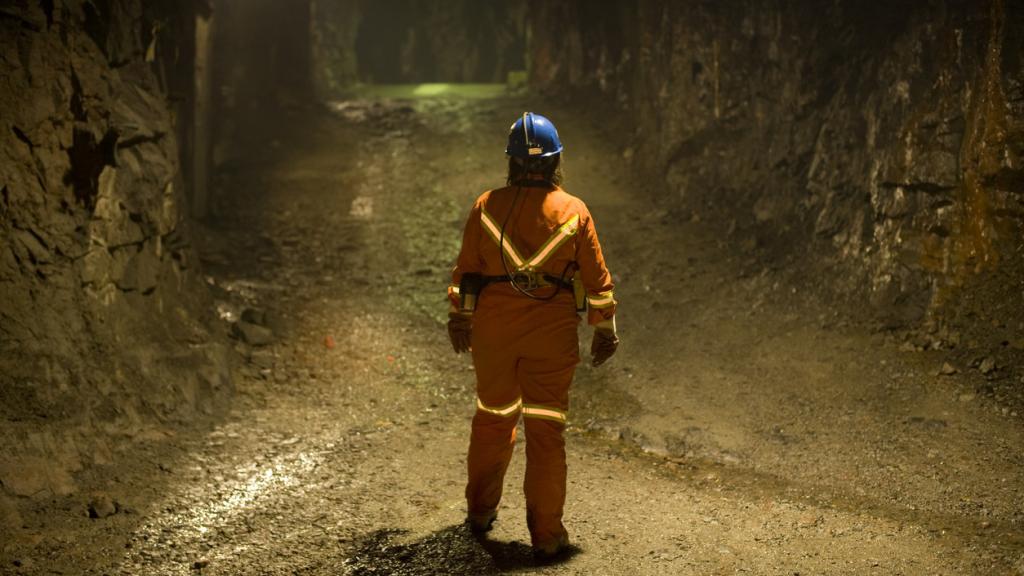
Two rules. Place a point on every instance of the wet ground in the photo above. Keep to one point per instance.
(743, 427)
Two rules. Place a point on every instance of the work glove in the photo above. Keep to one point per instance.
(460, 328)
(603, 345)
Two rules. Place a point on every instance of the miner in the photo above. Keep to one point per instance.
(530, 263)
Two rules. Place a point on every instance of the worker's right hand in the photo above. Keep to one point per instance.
(604, 344)
(460, 328)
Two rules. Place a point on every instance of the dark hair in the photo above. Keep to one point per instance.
(549, 169)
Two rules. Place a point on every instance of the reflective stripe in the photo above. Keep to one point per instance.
(565, 231)
(453, 289)
(543, 412)
(495, 231)
(502, 411)
(602, 300)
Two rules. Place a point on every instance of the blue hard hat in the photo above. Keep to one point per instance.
(533, 136)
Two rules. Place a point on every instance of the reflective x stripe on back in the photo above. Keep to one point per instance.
(560, 237)
(495, 232)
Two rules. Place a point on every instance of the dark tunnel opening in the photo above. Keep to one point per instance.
(398, 42)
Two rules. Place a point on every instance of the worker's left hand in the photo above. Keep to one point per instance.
(460, 328)
(604, 344)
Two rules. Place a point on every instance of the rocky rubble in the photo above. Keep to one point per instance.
(103, 333)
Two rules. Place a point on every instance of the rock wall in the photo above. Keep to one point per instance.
(103, 332)
(880, 142)
(334, 28)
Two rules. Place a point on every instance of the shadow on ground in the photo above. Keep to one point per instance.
(454, 548)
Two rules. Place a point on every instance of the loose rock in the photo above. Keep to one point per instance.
(254, 316)
(987, 366)
(102, 506)
(252, 334)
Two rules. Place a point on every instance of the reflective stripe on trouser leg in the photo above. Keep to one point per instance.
(544, 413)
(528, 351)
(511, 409)
(494, 424)
(490, 449)
(546, 378)
(545, 480)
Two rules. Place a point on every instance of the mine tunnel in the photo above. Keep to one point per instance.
(490, 287)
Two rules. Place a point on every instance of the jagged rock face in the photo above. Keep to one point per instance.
(882, 141)
(100, 303)
(335, 26)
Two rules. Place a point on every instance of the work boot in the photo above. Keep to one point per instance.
(551, 550)
(481, 523)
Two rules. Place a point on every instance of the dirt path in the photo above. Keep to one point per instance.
(741, 429)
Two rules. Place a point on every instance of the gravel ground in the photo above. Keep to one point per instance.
(744, 427)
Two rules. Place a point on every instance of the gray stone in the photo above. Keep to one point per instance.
(102, 506)
(252, 334)
(947, 369)
(262, 359)
(987, 366)
(254, 316)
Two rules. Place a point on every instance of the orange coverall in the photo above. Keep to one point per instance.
(525, 351)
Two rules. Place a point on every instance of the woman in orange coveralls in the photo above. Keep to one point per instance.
(522, 249)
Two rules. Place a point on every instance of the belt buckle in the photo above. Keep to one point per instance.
(526, 279)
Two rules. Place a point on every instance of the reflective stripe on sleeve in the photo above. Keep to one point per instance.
(507, 410)
(565, 231)
(543, 413)
(602, 300)
(495, 232)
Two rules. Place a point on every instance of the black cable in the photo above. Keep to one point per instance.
(501, 237)
(504, 264)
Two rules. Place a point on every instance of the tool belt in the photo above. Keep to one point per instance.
(473, 284)
(528, 280)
